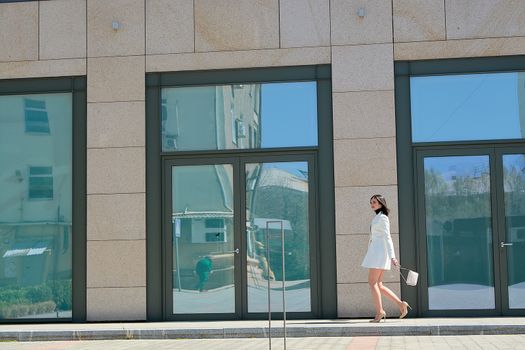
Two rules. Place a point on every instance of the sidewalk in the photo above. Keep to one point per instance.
(259, 329)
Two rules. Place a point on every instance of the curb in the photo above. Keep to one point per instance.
(257, 332)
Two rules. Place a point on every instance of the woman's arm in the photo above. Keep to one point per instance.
(385, 230)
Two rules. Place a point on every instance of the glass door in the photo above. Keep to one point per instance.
(202, 245)
(457, 224)
(511, 163)
(278, 207)
(472, 221)
(215, 272)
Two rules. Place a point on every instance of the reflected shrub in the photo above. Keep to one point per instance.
(23, 301)
(20, 310)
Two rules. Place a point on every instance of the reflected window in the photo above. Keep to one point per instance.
(468, 107)
(40, 182)
(239, 116)
(35, 115)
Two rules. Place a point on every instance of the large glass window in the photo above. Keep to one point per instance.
(239, 116)
(468, 107)
(35, 206)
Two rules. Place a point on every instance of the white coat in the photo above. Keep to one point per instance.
(380, 247)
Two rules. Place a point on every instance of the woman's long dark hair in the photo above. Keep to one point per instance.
(384, 209)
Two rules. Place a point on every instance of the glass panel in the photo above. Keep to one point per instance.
(277, 195)
(35, 206)
(468, 107)
(459, 233)
(514, 185)
(239, 116)
(203, 241)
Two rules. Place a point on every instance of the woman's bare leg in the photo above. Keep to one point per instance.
(373, 281)
(388, 292)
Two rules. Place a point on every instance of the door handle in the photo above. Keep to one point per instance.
(503, 244)
(236, 251)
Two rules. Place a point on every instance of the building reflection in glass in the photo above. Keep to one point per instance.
(459, 233)
(277, 194)
(35, 206)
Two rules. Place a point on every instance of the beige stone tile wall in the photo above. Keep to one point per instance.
(304, 23)
(76, 37)
(19, 31)
(116, 220)
(364, 141)
(229, 25)
(419, 20)
(62, 29)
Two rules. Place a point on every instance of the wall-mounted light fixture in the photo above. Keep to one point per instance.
(361, 12)
(116, 25)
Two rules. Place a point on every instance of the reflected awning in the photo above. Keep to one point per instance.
(26, 249)
(202, 215)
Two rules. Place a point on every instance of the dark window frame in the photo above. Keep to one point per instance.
(325, 193)
(409, 186)
(77, 87)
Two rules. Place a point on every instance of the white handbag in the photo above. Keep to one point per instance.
(411, 278)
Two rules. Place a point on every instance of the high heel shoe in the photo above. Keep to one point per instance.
(404, 311)
(379, 317)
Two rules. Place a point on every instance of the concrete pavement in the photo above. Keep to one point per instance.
(481, 342)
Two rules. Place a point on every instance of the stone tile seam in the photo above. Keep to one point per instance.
(363, 44)
(371, 185)
(45, 60)
(114, 194)
(344, 235)
(119, 287)
(364, 186)
(111, 193)
(107, 102)
(362, 91)
(118, 240)
(370, 138)
(38, 32)
(115, 56)
(136, 287)
(110, 101)
(152, 53)
(352, 283)
(115, 147)
(460, 39)
(277, 49)
(363, 138)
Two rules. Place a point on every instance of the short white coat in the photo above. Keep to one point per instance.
(380, 247)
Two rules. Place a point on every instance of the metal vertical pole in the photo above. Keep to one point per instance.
(280, 222)
(268, 278)
(177, 255)
(284, 287)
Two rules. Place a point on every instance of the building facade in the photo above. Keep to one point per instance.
(176, 159)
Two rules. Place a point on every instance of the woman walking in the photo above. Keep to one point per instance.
(379, 257)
